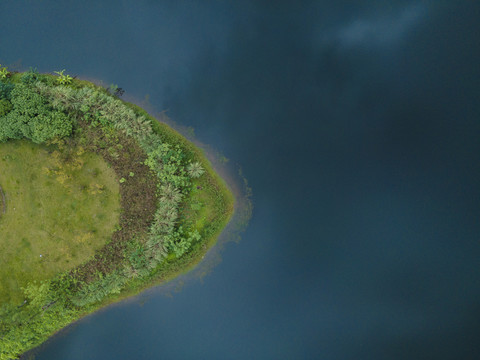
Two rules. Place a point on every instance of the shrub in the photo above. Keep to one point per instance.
(63, 79)
(4, 73)
(29, 116)
(5, 107)
(30, 76)
(195, 170)
(5, 90)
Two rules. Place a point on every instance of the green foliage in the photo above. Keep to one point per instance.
(5, 90)
(27, 102)
(98, 290)
(167, 162)
(196, 206)
(136, 255)
(63, 79)
(115, 90)
(27, 325)
(30, 76)
(31, 117)
(195, 170)
(5, 107)
(170, 194)
(179, 243)
(3, 72)
(49, 126)
(98, 108)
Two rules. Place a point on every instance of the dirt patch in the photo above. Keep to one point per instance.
(137, 192)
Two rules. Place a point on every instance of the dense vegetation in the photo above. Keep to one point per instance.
(173, 205)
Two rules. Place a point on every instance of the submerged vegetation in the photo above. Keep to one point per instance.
(172, 204)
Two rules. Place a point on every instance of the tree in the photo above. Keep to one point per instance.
(30, 116)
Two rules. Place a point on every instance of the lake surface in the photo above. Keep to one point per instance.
(357, 126)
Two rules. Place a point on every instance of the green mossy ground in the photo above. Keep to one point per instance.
(59, 211)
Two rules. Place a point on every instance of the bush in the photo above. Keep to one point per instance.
(30, 76)
(28, 115)
(5, 107)
(5, 90)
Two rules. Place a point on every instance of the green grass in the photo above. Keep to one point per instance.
(61, 204)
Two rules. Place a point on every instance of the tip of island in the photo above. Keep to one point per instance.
(98, 201)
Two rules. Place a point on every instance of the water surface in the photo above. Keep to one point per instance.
(357, 126)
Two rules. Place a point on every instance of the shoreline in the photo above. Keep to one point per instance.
(204, 260)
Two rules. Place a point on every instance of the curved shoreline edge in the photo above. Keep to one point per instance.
(201, 266)
(181, 265)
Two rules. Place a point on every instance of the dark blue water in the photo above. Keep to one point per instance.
(357, 125)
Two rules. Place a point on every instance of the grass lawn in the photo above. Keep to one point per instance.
(61, 205)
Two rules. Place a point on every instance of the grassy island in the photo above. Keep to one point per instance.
(98, 200)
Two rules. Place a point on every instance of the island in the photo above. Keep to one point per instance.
(98, 201)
